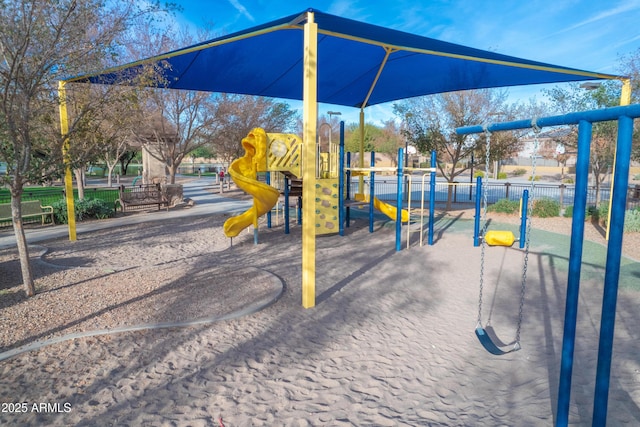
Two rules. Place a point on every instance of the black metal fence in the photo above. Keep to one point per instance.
(386, 189)
(49, 196)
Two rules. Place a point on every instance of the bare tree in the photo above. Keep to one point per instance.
(575, 98)
(173, 122)
(430, 124)
(238, 114)
(112, 129)
(630, 66)
(177, 123)
(40, 43)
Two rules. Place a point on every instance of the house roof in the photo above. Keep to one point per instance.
(359, 64)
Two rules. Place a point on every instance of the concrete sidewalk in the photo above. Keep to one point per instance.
(200, 190)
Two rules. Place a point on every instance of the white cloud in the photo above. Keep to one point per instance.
(243, 10)
(622, 8)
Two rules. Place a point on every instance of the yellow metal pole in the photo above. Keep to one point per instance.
(625, 99)
(68, 176)
(310, 122)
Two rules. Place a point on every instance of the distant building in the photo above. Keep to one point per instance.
(550, 152)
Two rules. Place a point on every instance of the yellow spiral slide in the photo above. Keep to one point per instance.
(243, 171)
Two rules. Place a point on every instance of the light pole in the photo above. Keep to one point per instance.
(471, 176)
(406, 153)
(590, 85)
(331, 113)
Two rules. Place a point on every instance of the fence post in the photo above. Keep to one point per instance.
(507, 185)
(561, 188)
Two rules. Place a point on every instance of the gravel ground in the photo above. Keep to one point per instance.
(144, 275)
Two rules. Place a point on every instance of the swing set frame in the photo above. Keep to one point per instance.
(625, 116)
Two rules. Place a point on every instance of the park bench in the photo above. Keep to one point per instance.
(140, 196)
(30, 209)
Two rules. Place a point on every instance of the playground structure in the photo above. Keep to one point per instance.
(278, 155)
(396, 213)
(624, 116)
(244, 171)
(367, 197)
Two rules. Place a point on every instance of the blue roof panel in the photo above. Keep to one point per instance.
(268, 61)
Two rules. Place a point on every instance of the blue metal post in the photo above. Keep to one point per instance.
(268, 181)
(612, 270)
(286, 205)
(432, 196)
(476, 219)
(399, 201)
(348, 209)
(523, 218)
(341, 213)
(573, 281)
(372, 179)
(624, 115)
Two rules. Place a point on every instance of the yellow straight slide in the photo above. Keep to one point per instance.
(387, 209)
(243, 171)
(390, 210)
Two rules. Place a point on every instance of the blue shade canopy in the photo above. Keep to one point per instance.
(358, 64)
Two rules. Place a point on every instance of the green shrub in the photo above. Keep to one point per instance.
(568, 212)
(590, 214)
(505, 206)
(545, 208)
(567, 181)
(519, 172)
(632, 220)
(478, 174)
(502, 175)
(636, 177)
(536, 178)
(602, 213)
(84, 209)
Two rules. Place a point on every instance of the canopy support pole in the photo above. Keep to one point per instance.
(68, 176)
(310, 121)
(625, 99)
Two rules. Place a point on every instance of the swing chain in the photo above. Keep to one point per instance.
(530, 203)
(484, 222)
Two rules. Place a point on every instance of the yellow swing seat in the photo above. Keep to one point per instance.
(499, 238)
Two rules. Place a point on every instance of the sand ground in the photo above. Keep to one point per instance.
(390, 342)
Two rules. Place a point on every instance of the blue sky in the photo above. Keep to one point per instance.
(585, 34)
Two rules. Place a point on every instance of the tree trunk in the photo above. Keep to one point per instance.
(80, 182)
(596, 184)
(110, 169)
(172, 173)
(449, 195)
(23, 249)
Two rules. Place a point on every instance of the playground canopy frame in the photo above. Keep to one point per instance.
(361, 64)
(317, 57)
